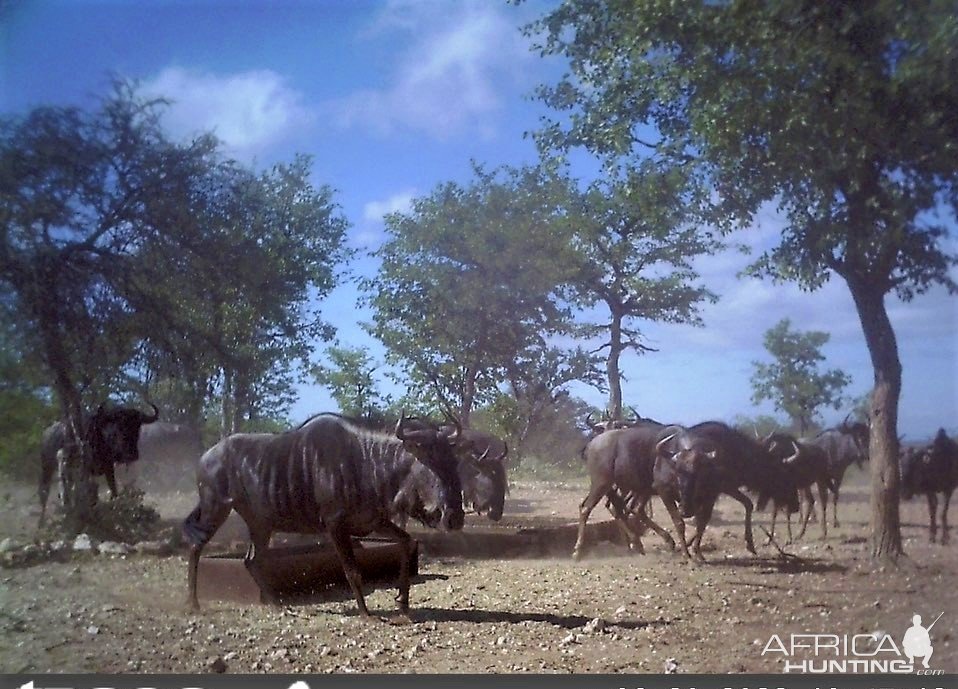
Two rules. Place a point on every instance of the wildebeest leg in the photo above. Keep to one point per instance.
(702, 518)
(823, 496)
(620, 511)
(596, 493)
(405, 563)
(747, 504)
(835, 489)
(932, 509)
(944, 517)
(198, 528)
(255, 557)
(677, 522)
(343, 543)
(788, 521)
(110, 474)
(646, 519)
(809, 508)
(771, 533)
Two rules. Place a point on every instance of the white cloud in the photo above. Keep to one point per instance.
(450, 78)
(248, 111)
(397, 203)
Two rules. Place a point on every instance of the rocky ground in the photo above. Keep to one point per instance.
(611, 612)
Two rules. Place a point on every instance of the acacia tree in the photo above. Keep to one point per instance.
(468, 281)
(793, 381)
(841, 113)
(634, 249)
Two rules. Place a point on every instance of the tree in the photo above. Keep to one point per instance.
(841, 113)
(634, 250)
(349, 376)
(538, 382)
(793, 381)
(468, 282)
(115, 241)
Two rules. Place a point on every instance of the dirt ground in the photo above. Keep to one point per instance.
(611, 612)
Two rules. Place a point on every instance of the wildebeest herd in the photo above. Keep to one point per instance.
(334, 476)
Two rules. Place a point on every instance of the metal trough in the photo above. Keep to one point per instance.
(296, 571)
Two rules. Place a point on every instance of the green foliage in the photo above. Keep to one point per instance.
(468, 281)
(634, 246)
(838, 111)
(793, 381)
(349, 376)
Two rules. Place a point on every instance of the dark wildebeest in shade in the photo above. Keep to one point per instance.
(112, 435)
(932, 470)
(846, 444)
(482, 469)
(803, 465)
(327, 476)
(711, 458)
(620, 461)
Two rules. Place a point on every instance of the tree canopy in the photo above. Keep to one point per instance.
(841, 113)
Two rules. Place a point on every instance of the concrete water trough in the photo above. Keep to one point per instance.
(294, 572)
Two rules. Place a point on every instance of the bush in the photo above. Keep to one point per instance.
(125, 520)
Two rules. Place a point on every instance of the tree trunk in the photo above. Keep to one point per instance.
(226, 409)
(77, 485)
(883, 440)
(612, 366)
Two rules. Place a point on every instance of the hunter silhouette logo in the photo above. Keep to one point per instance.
(841, 653)
(917, 641)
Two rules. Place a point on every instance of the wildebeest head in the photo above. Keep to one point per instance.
(436, 451)
(113, 434)
(484, 482)
(860, 433)
(783, 452)
(692, 462)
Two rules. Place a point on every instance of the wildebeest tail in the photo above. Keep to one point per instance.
(194, 531)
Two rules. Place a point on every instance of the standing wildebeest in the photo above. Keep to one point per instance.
(621, 461)
(112, 436)
(803, 465)
(844, 445)
(932, 470)
(711, 458)
(328, 475)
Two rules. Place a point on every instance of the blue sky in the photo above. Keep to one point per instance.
(394, 97)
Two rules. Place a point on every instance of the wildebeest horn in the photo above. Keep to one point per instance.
(659, 445)
(148, 419)
(505, 451)
(455, 422)
(400, 431)
(635, 414)
(588, 420)
(791, 458)
(482, 458)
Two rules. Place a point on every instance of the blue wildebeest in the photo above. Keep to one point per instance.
(711, 458)
(112, 435)
(932, 470)
(803, 466)
(482, 469)
(621, 461)
(483, 481)
(846, 444)
(327, 476)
